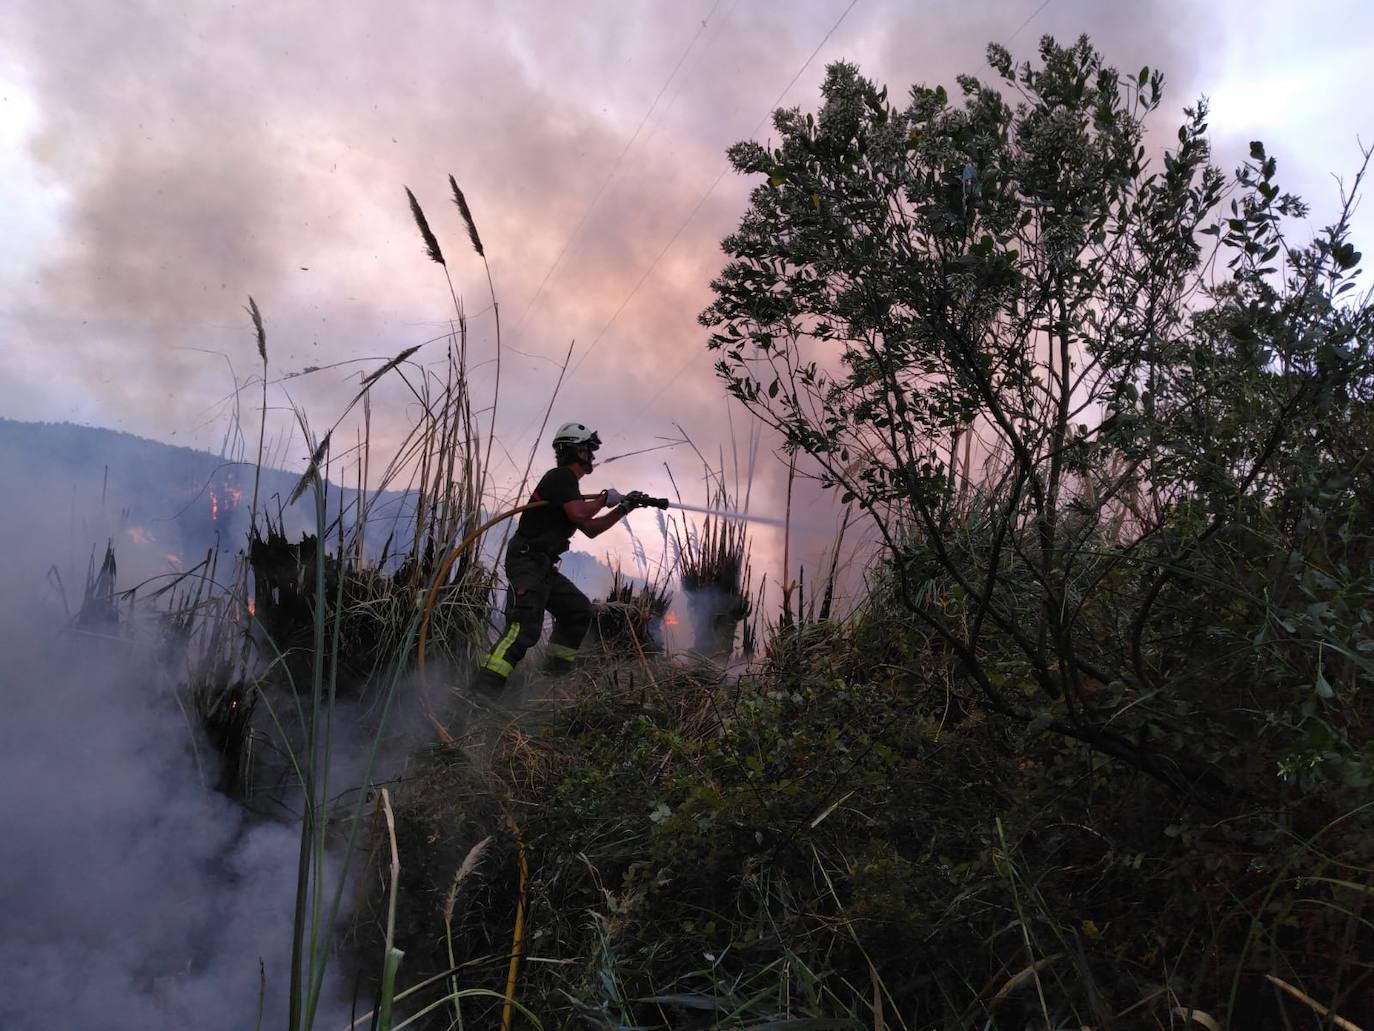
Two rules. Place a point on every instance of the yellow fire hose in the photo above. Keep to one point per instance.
(447, 564)
(517, 938)
(518, 933)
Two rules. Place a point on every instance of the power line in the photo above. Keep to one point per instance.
(702, 201)
(615, 167)
(773, 107)
(1032, 17)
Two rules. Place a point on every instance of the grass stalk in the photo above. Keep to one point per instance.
(262, 415)
(303, 959)
(465, 869)
(389, 968)
(539, 436)
(462, 204)
(393, 954)
(517, 943)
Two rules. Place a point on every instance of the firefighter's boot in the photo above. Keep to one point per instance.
(488, 683)
(558, 660)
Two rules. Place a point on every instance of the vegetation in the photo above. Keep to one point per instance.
(1093, 750)
(1021, 282)
(628, 620)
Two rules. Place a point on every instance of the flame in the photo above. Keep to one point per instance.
(227, 499)
(174, 561)
(140, 536)
(670, 619)
(252, 607)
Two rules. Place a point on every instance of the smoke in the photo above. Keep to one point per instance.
(209, 154)
(132, 894)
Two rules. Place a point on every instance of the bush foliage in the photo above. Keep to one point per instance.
(1094, 750)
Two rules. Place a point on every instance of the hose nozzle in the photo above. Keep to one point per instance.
(634, 499)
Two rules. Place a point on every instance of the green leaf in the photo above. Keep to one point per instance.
(1144, 74)
(1323, 687)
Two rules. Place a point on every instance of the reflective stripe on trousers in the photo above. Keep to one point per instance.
(561, 652)
(496, 661)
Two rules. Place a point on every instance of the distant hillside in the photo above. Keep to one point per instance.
(91, 481)
(71, 488)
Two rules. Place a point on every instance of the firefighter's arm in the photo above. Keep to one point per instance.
(584, 515)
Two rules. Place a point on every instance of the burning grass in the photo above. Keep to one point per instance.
(628, 620)
(715, 574)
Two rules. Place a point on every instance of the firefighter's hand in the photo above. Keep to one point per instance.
(610, 497)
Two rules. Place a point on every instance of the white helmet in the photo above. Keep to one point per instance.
(574, 434)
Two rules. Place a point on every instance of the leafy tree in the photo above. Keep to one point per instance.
(1066, 377)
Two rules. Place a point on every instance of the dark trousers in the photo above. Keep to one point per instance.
(536, 586)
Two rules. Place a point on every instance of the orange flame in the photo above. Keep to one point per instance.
(670, 619)
(174, 561)
(252, 607)
(140, 536)
(214, 506)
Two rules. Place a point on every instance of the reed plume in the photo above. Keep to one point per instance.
(373, 377)
(463, 210)
(431, 243)
(257, 326)
(311, 471)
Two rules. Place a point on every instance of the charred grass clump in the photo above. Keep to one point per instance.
(627, 621)
(713, 564)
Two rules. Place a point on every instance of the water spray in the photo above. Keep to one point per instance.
(747, 516)
(638, 499)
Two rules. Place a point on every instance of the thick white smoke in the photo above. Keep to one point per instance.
(132, 894)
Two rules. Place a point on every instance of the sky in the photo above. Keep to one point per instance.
(164, 162)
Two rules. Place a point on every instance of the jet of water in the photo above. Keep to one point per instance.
(751, 517)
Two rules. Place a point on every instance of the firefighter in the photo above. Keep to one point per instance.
(540, 538)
